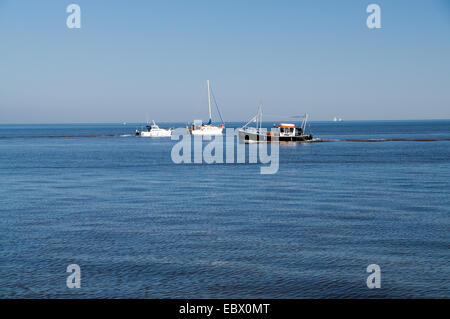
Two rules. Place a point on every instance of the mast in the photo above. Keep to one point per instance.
(305, 120)
(260, 117)
(257, 118)
(209, 101)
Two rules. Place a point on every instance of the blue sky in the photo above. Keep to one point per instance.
(138, 60)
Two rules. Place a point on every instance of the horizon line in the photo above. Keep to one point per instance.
(311, 121)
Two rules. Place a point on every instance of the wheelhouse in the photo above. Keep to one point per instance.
(288, 129)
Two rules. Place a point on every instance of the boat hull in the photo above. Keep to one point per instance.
(162, 133)
(258, 137)
(207, 130)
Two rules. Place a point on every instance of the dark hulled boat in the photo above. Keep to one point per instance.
(285, 132)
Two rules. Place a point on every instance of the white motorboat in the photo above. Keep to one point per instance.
(154, 131)
(198, 128)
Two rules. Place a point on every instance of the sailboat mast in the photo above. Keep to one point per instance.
(260, 116)
(209, 100)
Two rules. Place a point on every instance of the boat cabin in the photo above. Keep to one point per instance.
(149, 128)
(287, 129)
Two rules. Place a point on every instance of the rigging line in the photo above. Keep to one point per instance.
(285, 116)
(217, 107)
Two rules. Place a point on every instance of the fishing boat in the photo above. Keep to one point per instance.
(154, 131)
(284, 132)
(198, 128)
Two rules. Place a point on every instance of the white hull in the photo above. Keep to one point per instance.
(207, 130)
(153, 133)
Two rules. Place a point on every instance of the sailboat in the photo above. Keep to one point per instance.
(198, 128)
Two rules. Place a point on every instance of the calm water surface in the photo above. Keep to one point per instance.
(141, 226)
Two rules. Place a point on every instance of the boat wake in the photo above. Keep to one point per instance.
(367, 140)
(374, 140)
(63, 136)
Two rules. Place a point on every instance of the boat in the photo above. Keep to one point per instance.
(154, 131)
(198, 128)
(335, 119)
(284, 132)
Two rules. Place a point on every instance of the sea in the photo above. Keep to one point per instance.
(139, 225)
